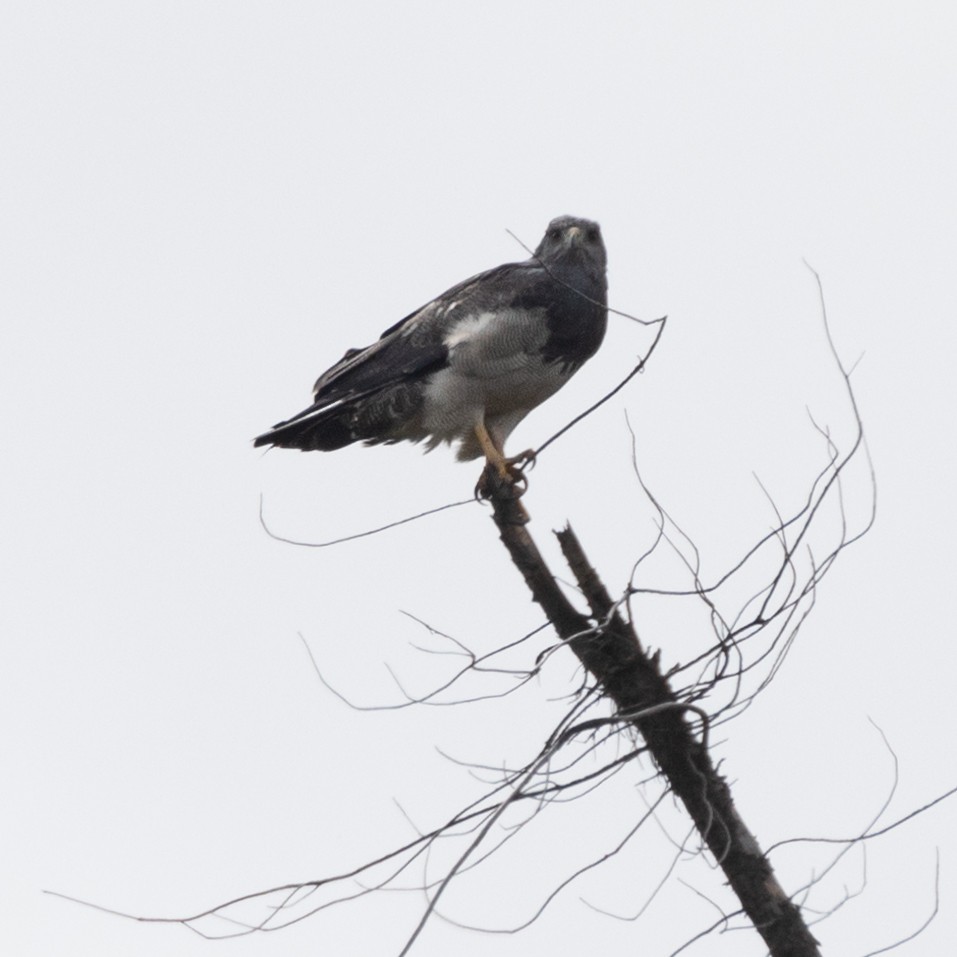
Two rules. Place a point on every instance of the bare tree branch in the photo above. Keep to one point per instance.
(609, 649)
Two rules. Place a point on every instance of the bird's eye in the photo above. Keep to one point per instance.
(591, 234)
(554, 233)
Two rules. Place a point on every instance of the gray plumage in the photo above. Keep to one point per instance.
(472, 363)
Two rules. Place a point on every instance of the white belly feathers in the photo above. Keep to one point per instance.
(495, 373)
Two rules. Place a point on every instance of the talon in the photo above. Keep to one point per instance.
(524, 460)
(493, 484)
(482, 490)
(502, 475)
(510, 481)
(518, 480)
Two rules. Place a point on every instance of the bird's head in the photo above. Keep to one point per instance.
(571, 237)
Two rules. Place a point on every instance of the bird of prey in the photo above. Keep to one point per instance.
(472, 363)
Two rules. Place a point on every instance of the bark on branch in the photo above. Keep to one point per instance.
(609, 649)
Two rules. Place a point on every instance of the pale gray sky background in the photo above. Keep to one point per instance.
(204, 204)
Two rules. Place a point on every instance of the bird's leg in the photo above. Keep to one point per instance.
(509, 468)
(500, 473)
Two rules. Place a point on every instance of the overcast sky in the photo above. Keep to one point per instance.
(205, 204)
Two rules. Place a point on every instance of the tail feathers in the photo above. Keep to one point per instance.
(312, 430)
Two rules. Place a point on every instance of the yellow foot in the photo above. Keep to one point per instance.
(505, 478)
(504, 474)
(502, 477)
(516, 464)
(492, 484)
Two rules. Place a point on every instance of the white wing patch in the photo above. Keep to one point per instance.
(468, 328)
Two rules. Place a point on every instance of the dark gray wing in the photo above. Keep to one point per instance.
(415, 346)
(407, 351)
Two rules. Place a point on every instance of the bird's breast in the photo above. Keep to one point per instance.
(459, 396)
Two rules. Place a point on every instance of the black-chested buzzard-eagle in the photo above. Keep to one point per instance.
(472, 363)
